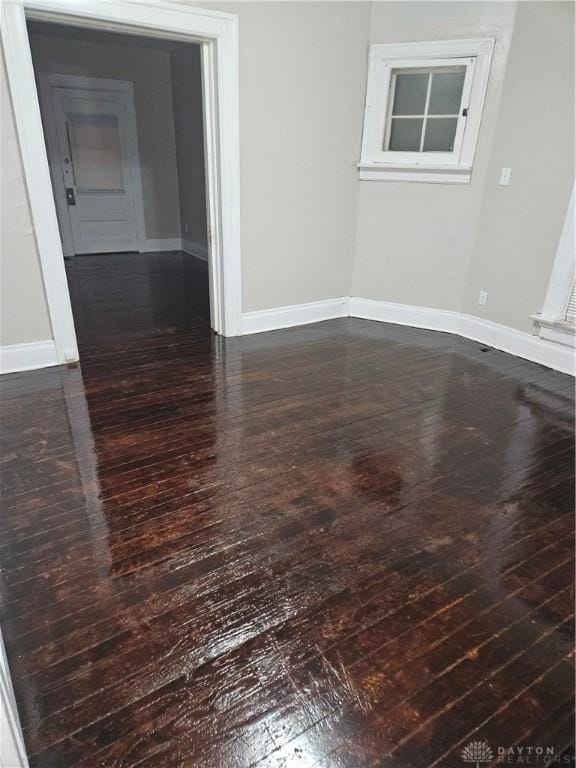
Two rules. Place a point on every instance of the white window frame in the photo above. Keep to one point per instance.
(439, 167)
(552, 322)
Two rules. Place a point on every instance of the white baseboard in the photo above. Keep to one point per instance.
(405, 314)
(296, 314)
(195, 249)
(154, 244)
(175, 244)
(27, 357)
(559, 331)
(501, 337)
(519, 343)
(525, 345)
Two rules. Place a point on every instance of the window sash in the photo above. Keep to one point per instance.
(425, 115)
(379, 103)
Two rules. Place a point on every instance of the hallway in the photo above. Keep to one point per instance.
(126, 295)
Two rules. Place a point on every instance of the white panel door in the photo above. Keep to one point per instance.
(94, 152)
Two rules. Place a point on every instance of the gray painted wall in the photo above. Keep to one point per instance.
(415, 240)
(24, 313)
(302, 86)
(437, 246)
(186, 72)
(149, 70)
(519, 226)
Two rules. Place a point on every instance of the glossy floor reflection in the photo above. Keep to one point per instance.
(346, 544)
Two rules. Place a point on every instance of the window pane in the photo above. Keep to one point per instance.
(96, 151)
(440, 133)
(446, 93)
(410, 94)
(405, 134)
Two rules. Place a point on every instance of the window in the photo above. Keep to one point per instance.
(570, 313)
(424, 104)
(425, 109)
(557, 320)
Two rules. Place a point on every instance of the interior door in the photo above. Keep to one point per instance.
(94, 154)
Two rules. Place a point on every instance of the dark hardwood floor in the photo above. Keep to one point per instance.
(346, 544)
(136, 295)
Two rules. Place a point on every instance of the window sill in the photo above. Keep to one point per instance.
(431, 174)
(556, 330)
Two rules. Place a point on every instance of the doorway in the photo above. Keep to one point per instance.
(116, 109)
(216, 34)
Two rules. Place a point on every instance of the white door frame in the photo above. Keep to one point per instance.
(12, 749)
(47, 81)
(218, 34)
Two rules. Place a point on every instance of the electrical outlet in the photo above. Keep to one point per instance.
(483, 298)
(505, 175)
(186, 228)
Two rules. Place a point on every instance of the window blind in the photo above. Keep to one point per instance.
(570, 315)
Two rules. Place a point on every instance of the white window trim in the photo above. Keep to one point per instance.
(415, 166)
(553, 326)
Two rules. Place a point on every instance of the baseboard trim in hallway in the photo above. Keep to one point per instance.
(159, 244)
(194, 249)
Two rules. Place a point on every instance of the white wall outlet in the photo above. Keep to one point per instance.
(186, 228)
(505, 175)
(483, 298)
